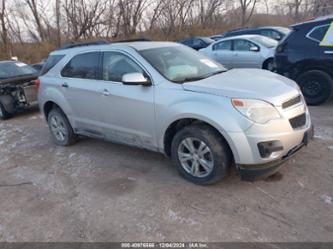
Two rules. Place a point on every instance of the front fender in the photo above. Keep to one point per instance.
(216, 111)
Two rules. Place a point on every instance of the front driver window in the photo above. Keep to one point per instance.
(116, 64)
(243, 45)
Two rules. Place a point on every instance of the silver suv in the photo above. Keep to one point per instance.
(168, 98)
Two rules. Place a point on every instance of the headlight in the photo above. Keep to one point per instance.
(256, 110)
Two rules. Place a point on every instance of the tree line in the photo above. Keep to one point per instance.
(58, 21)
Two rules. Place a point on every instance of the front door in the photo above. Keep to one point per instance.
(128, 110)
(222, 52)
(245, 55)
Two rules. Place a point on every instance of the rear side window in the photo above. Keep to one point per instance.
(83, 66)
(51, 61)
(243, 45)
(318, 33)
(270, 33)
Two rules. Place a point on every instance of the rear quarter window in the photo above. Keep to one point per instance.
(317, 33)
(51, 61)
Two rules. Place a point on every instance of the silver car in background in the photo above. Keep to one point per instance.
(243, 51)
(169, 98)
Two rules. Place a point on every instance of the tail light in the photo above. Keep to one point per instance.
(37, 84)
(281, 47)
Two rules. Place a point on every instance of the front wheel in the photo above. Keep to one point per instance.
(317, 86)
(201, 155)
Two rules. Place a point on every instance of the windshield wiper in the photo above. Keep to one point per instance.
(190, 79)
(200, 77)
(215, 73)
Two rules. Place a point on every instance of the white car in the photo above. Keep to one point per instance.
(243, 51)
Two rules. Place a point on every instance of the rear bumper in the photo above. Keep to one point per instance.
(261, 171)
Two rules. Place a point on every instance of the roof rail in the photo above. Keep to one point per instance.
(238, 29)
(82, 44)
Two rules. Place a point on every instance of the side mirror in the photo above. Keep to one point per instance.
(278, 38)
(135, 79)
(254, 49)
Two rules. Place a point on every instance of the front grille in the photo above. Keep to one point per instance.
(292, 102)
(298, 121)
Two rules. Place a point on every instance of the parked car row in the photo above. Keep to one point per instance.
(297, 52)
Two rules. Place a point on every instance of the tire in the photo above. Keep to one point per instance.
(3, 113)
(61, 131)
(316, 86)
(268, 64)
(218, 158)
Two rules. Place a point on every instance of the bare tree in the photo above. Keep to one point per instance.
(4, 29)
(35, 10)
(83, 17)
(247, 8)
(208, 10)
(295, 8)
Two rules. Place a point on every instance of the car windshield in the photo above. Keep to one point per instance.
(284, 30)
(207, 40)
(15, 69)
(265, 41)
(181, 64)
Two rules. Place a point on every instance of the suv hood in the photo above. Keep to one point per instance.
(247, 83)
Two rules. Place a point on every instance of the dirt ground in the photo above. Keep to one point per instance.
(99, 191)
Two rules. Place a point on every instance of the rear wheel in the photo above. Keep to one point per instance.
(61, 130)
(317, 86)
(3, 113)
(201, 155)
(268, 64)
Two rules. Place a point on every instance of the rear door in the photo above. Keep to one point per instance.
(322, 46)
(222, 52)
(244, 56)
(80, 80)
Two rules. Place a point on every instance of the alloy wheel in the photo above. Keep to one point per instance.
(58, 128)
(195, 157)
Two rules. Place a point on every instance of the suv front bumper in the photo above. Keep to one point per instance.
(260, 171)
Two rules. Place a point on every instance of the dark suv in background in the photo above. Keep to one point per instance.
(197, 42)
(302, 57)
(274, 32)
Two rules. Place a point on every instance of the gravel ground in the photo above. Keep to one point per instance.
(99, 191)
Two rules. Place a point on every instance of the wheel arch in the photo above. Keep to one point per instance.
(181, 123)
(313, 68)
(264, 64)
(49, 105)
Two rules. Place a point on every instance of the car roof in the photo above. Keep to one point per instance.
(254, 28)
(9, 61)
(321, 19)
(240, 37)
(141, 45)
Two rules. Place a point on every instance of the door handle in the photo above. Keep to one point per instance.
(328, 52)
(106, 92)
(65, 85)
